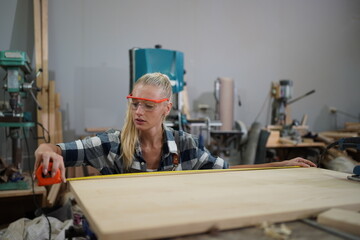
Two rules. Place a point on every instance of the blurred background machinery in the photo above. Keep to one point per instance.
(221, 134)
(19, 83)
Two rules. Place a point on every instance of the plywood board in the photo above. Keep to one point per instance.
(155, 206)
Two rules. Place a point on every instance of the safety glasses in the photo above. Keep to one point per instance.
(130, 96)
(146, 103)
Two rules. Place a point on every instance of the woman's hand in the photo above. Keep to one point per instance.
(46, 153)
(298, 162)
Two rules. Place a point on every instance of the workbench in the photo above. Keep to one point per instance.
(298, 145)
(15, 204)
(308, 150)
(170, 204)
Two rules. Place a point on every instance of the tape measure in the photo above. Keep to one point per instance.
(174, 172)
(44, 180)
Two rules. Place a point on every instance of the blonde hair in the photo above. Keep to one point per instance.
(129, 134)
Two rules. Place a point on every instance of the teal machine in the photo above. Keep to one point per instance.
(169, 62)
(18, 83)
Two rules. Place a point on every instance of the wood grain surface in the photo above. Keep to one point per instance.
(155, 206)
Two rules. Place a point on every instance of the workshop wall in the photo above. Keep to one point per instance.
(312, 42)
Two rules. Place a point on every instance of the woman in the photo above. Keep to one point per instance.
(144, 143)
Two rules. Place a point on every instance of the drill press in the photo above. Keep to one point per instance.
(281, 93)
(19, 81)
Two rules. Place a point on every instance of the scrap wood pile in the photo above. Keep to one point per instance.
(335, 158)
(11, 177)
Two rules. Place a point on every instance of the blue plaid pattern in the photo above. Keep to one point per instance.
(103, 153)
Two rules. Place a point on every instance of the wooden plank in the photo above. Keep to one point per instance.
(41, 114)
(52, 109)
(128, 207)
(59, 131)
(58, 120)
(352, 125)
(41, 62)
(74, 172)
(338, 135)
(37, 38)
(70, 172)
(54, 116)
(344, 220)
(292, 145)
(57, 101)
(79, 172)
(44, 42)
(96, 129)
(44, 61)
(53, 194)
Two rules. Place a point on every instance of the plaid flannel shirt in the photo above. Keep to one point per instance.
(103, 153)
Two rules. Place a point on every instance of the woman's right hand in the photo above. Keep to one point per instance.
(46, 153)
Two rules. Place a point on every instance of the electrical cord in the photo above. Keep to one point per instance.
(33, 186)
(43, 133)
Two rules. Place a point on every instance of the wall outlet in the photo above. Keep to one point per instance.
(332, 110)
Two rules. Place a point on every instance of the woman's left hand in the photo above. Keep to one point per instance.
(299, 162)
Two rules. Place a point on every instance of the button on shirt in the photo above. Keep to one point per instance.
(103, 153)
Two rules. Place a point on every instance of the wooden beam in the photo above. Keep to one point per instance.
(338, 135)
(53, 194)
(41, 62)
(41, 115)
(45, 42)
(44, 60)
(37, 36)
(52, 110)
(96, 130)
(58, 120)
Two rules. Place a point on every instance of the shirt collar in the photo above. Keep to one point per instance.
(169, 140)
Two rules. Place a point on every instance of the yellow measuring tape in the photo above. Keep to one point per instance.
(175, 172)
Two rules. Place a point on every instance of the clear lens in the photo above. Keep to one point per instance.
(146, 105)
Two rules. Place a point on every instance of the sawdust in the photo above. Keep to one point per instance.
(281, 232)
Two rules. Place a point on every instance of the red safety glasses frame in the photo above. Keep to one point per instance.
(147, 99)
